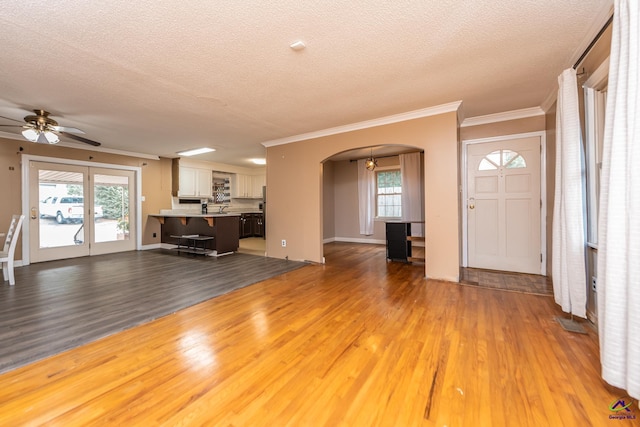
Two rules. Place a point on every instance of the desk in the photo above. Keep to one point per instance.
(189, 243)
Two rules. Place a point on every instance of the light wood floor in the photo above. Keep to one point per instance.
(356, 342)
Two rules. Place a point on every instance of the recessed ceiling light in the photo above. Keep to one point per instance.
(196, 151)
(259, 161)
(297, 45)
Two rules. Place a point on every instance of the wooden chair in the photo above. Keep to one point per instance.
(6, 256)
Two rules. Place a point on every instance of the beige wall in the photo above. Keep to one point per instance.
(328, 201)
(156, 180)
(550, 120)
(295, 194)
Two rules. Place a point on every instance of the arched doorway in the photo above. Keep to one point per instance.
(341, 221)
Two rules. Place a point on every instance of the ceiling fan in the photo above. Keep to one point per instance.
(43, 129)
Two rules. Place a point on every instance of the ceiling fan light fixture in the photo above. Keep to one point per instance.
(50, 137)
(31, 134)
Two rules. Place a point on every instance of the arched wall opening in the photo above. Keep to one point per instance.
(340, 201)
(295, 189)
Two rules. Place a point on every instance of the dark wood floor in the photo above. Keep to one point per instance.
(356, 342)
(59, 305)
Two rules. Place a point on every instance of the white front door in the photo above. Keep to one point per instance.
(503, 205)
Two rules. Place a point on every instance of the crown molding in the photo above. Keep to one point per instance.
(596, 25)
(396, 118)
(549, 100)
(78, 146)
(503, 117)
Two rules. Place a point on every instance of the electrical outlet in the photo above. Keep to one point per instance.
(284, 243)
(154, 234)
(594, 281)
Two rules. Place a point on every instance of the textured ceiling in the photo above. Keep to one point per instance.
(158, 77)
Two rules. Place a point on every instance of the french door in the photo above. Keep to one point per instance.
(78, 211)
(503, 205)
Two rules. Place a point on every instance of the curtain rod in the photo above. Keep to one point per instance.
(375, 157)
(593, 42)
(382, 157)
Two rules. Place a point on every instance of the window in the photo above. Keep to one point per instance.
(388, 193)
(507, 158)
(595, 107)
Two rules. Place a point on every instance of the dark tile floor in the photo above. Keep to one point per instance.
(518, 282)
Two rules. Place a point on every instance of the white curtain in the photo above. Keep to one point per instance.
(366, 198)
(412, 202)
(619, 210)
(569, 279)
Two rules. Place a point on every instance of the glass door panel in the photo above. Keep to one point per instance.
(70, 218)
(113, 192)
(58, 210)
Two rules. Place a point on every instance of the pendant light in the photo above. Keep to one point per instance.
(371, 163)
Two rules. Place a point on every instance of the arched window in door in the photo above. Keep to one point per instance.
(502, 158)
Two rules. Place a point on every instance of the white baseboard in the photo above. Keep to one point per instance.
(358, 240)
(152, 246)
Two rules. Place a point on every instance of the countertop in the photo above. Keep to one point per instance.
(186, 215)
(194, 215)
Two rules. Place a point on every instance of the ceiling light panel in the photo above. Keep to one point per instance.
(196, 151)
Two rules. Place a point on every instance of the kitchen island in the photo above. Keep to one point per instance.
(223, 227)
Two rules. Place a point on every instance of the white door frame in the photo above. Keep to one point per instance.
(543, 191)
(26, 161)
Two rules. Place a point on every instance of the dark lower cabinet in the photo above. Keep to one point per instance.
(399, 241)
(251, 225)
(398, 247)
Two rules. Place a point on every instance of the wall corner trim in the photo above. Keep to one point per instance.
(503, 117)
(410, 115)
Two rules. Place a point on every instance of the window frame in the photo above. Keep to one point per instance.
(393, 168)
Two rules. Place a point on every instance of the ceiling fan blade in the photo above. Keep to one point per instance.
(80, 138)
(66, 129)
(13, 120)
(12, 126)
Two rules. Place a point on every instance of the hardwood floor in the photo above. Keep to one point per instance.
(356, 342)
(59, 305)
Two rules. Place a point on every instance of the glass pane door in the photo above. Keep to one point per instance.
(113, 191)
(58, 211)
(71, 218)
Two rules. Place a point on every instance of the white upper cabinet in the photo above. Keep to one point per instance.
(248, 186)
(257, 182)
(194, 182)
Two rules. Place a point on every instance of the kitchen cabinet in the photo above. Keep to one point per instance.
(257, 182)
(259, 226)
(216, 232)
(251, 225)
(191, 182)
(248, 186)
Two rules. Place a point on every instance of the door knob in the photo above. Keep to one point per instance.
(472, 203)
(34, 213)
